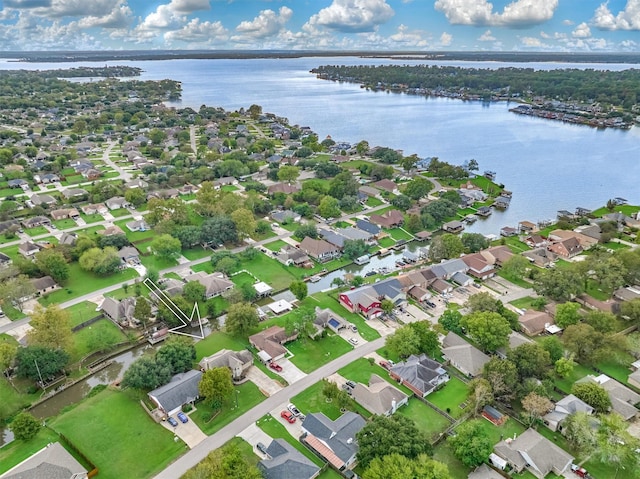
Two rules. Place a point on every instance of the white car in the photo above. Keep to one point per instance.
(353, 341)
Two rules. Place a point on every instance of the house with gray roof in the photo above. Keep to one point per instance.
(379, 396)
(181, 390)
(137, 225)
(237, 361)
(484, 472)
(44, 285)
(74, 193)
(129, 255)
(463, 356)
(355, 234)
(332, 237)
(515, 340)
(369, 227)
(215, 284)
(116, 202)
(421, 374)
(120, 311)
(29, 248)
(36, 221)
(536, 453)
(285, 215)
(286, 462)
(325, 318)
(5, 260)
(566, 406)
(446, 269)
(51, 462)
(290, 255)
(367, 299)
(41, 199)
(623, 399)
(334, 441)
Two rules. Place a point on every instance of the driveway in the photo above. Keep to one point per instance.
(253, 435)
(266, 385)
(290, 371)
(189, 432)
(385, 329)
(294, 429)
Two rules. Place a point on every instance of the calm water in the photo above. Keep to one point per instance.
(548, 165)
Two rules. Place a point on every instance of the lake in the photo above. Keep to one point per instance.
(548, 165)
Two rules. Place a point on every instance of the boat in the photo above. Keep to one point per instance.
(364, 259)
(314, 279)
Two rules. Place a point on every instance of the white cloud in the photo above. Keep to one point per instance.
(27, 3)
(487, 37)
(199, 32)
(568, 22)
(519, 13)
(266, 24)
(581, 31)
(531, 42)
(79, 8)
(446, 39)
(627, 19)
(189, 6)
(628, 45)
(352, 15)
(409, 38)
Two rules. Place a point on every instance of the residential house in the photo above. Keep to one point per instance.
(497, 255)
(386, 185)
(453, 227)
(567, 248)
(541, 257)
(484, 472)
(527, 227)
(285, 462)
(461, 279)
(68, 239)
(369, 227)
(285, 215)
(440, 286)
(502, 202)
(129, 255)
(319, 249)
(181, 390)
(29, 248)
(534, 322)
(366, 300)
(356, 234)
(463, 356)
(634, 377)
(44, 285)
(531, 450)
(237, 361)
(389, 219)
(289, 255)
(41, 200)
(36, 221)
(74, 193)
(478, 266)
(51, 462)
(17, 183)
(65, 213)
(623, 399)
(483, 211)
(285, 188)
(591, 230)
(379, 397)
(368, 191)
(332, 237)
(419, 294)
(119, 311)
(137, 225)
(215, 284)
(515, 339)
(447, 268)
(271, 341)
(46, 178)
(97, 208)
(325, 318)
(91, 173)
(535, 241)
(566, 406)
(112, 230)
(116, 202)
(137, 183)
(334, 441)
(420, 374)
(585, 242)
(5, 260)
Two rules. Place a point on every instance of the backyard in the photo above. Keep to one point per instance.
(275, 429)
(451, 398)
(427, 420)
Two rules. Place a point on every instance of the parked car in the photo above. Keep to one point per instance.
(385, 364)
(354, 328)
(431, 304)
(261, 447)
(294, 410)
(353, 341)
(172, 421)
(350, 384)
(347, 389)
(287, 416)
(183, 417)
(579, 471)
(275, 366)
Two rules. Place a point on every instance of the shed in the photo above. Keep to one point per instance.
(492, 414)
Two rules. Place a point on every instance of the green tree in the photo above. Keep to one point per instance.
(193, 291)
(559, 284)
(135, 196)
(531, 360)
(396, 434)
(226, 462)
(450, 320)
(593, 394)
(304, 230)
(418, 188)
(216, 386)
(579, 431)
(24, 426)
(7, 354)
(17, 291)
(166, 246)
(38, 361)
(586, 343)
(299, 289)
(329, 207)
(516, 266)
(502, 376)
(177, 353)
(563, 367)
(146, 373)
(483, 302)
(353, 249)
(474, 242)
(396, 466)
(554, 347)
(480, 393)
(471, 444)
(601, 321)
(404, 342)
(103, 262)
(241, 319)
(402, 202)
(142, 311)
(445, 246)
(53, 263)
(245, 222)
(343, 184)
(567, 314)
(51, 328)
(535, 406)
(615, 446)
(387, 306)
(288, 173)
(427, 337)
(490, 330)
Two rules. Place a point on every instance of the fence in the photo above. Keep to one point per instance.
(93, 469)
(89, 322)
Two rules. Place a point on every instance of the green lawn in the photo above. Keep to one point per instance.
(276, 245)
(399, 234)
(450, 397)
(94, 218)
(427, 420)
(617, 366)
(310, 354)
(37, 231)
(82, 312)
(579, 371)
(65, 223)
(625, 209)
(330, 474)
(276, 430)
(113, 425)
(523, 303)
(386, 242)
(12, 313)
(514, 243)
(83, 282)
(372, 202)
(217, 341)
(248, 397)
(11, 401)
(508, 429)
(443, 453)
(134, 235)
(312, 400)
(92, 230)
(514, 279)
(241, 279)
(229, 188)
(118, 212)
(361, 370)
(195, 253)
(17, 451)
(99, 336)
(268, 270)
(157, 263)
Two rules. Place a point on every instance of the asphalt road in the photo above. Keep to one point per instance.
(198, 453)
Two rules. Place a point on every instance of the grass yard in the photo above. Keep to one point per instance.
(81, 312)
(65, 223)
(92, 230)
(100, 335)
(386, 242)
(107, 425)
(229, 188)
(625, 209)
(248, 397)
(594, 290)
(312, 400)
(524, 303)
(157, 263)
(268, 270)
(310, 354)
(330, 474)
(276, 430)
(37, 231)
(17, 451)
(508, 429)
(443, 453)
(263, 236)
(83, 282)
(195, 253)
(579, 371)
(276, 245)
(372, 202)
(241, 279)
(134, 235)
(12, 313)
(399, 234)
(513, 243)
(245, 450)
(217, 341)
(426, 419)
(118, 212)
(12, 401)
(450, 397)
(94, 218)
(514, 279)
(617, 366)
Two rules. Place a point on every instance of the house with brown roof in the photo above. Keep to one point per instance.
(478, 265)
(290, 255)
(585, 241)
(534, 322)
(319, 249)
(535, 241)
(497, 255)
(453, 227)
(96, 208)
(386, 185)
(65, 213)
(271, 341)
(462, 355)
(215, 284)
(389, 219)
(111, 231)
(44, 285)
(285, 188)
(237, 361)
(379, 397)
(567, 248)
(527, 227)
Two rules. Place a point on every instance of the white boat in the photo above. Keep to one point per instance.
(364, 259)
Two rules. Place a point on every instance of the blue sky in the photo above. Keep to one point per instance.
(507, 25)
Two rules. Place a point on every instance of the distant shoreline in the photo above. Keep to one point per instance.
(142, 55)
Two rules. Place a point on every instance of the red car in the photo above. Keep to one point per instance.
(288, 416)
(275, 366)
(385, 365)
